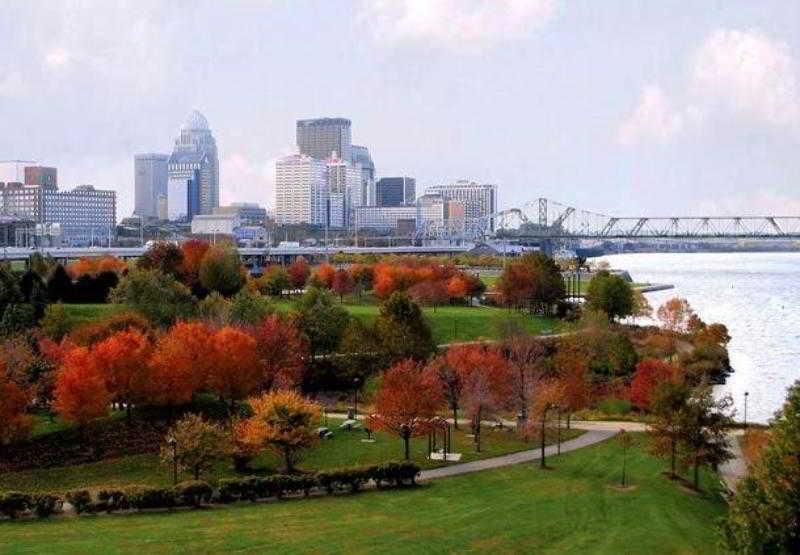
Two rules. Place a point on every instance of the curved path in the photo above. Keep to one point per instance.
(585, 440)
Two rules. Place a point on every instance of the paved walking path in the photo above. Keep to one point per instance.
(736, 468)
(585, 440)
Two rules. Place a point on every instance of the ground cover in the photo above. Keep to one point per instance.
(81, 313)
(573, 508)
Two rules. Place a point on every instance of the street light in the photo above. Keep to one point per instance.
(746, 395)
(542, 462)
(172, 442)
(558, 430)
(356, 381)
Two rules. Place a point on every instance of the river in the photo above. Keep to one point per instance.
(757, 295)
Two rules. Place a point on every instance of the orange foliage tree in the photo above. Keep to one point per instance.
(179, 363)
(675, 314)
(14, 422)
(281, 351)
(343, 283)
(81, 394)
(233, 368)
(93, 265)
(122, 359)
(649, 374)
(299, 272)
(324, 276)
(193, 252)
(457, 287)
(407, 402)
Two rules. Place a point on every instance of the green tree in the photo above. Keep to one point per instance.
(59, 285)
(198, 445)
(610, 294)
(321, 320)
(702, 429)
(249, 307)
(155, 295)
(763, 516)
(221, 270)
(275, 281)
(55, 324)
(668, 401)
(402, 330)
(215, 309)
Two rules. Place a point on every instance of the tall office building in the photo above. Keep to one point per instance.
(395, 191)
(150, 183)
(479, 200)
(195, 149)
(362, 157)
(321, 137)
(344, 189)
(301, 190)
(42, 176)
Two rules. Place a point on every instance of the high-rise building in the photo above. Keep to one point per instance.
(362, 157)
(301, 190)
(395, 191)
(322, 137)
(150, 182)
(195, 149)
(42, 176)
(344, 189)
(385, 218)
(479, 200)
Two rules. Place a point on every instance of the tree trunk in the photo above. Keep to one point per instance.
(287, 460)
(674, 447)
(478, 432)
(406, 447)
(197, 472)
(569, 420)
(455, 416)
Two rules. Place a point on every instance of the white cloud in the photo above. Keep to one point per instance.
(455, 24)
(243, 180)
(12, 85)
(743, 77)
(56, 57)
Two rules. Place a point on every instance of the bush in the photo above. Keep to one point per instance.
(193, 493)
(346, 478)
(113, 500)
(45, 504)
(81, 500)
(395, 473)
(613, 405)
(13, 502)
(152, 498)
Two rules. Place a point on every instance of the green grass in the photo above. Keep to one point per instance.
(520, 509)
(459, 323)
(82, 313)
(344, 449)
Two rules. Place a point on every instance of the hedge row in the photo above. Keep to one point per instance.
(196, 493)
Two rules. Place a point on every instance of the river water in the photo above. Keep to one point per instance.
(757, 295)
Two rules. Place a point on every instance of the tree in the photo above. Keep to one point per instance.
(233, 369)
(55, 324)
(402, 330)
(534, 281)
(457, 287)
(93, 332)
(669, 399)
(320, 320)
(407, 402)
(59, 285)
(641, 306)
(431, 293)
(215, 310)
(122, 359)
(157, 296)
(248, 308)
(193, 252)
(450, 382)
(647, 377)
(625, 441)
(274, 281)
(163, 256)
(198, 445)
(221, 270)
(284, 422)
(324, 276)
(763, 513)
(180, 363)
(34, 292)
(610, 294)
(363, 277)
(343, 283)
(15, 424)
(281, 351)
(299, 271)
(675, 314)
(17, 318)
(81, 394)
(525, 355)
(702, 427)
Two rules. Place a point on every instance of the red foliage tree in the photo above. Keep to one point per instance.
(281, 351)
(95, 265)
(363, 276)
(179, 363)
(343, 283)
(233, 369)
(14, 422)
(163, 256)
(299, 271)
(515, 284)
(675, 314)
(325, 274)
(457, 287)
(431, 293)
(123, 360)
(81, 394)
(193, 252)
(650, 373)
(407, 402)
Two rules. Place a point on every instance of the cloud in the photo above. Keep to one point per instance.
(741, 77)
(12, 85)
(455, 24)
(57, 57)
(243, 180)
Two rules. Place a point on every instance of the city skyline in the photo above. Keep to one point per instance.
(655, 110)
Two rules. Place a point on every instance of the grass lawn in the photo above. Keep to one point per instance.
(460, 323)
(344, 449)
(82, 313)
(570, 509)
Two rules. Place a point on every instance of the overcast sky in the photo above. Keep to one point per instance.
(623, 107)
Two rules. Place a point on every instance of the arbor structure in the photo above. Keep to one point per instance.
(283, 421)
(195, 445)
(407, 402)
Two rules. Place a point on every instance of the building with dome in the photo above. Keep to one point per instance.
(193, 170)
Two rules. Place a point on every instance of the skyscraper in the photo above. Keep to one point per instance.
(344, 189)
(321, 137)
(479, 200)
(301, 190)
(395, 191)
(150, 182)
(361, 157)
(195, 149)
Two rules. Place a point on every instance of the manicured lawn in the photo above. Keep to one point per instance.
(520, 509)
(460, 323)
(82, 313)
(344, 449)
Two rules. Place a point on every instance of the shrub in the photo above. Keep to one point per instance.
(233, 489)
(193, 493)
(114, 500)
(343, 479)
(13, 502)
(152, 498)
(45, 504)
(81, 500)
(613, 405)
(395, 473)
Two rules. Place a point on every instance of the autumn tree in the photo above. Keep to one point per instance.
(179, 363)
(457, 287)
(193, 252)
(402, 329)
(649, 374)
(198, 445)
(233, 369)
(163, 256)
(299, 271)
(525, 355)
(534, 281)
(221, 270)
(321, 320)
(763, 513)
(407, 401)
(668, 400)
(611, 295)
(641, 306)
(449, 378)
(15, 423)
(215, 310)
(363, 277)
(572, 365)
(430, 293)
(281, 352)
(674, 314)
(248, 308)
(343, 283)
(324, 276)
(122, 359)
(274, 281)
(81, 394)
(284, 422)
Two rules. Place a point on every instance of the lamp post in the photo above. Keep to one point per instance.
(356, 381)
(542, 462)
(172, 442)
(746, 395)
(558, 429)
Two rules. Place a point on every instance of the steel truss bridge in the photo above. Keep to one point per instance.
(545, 219)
